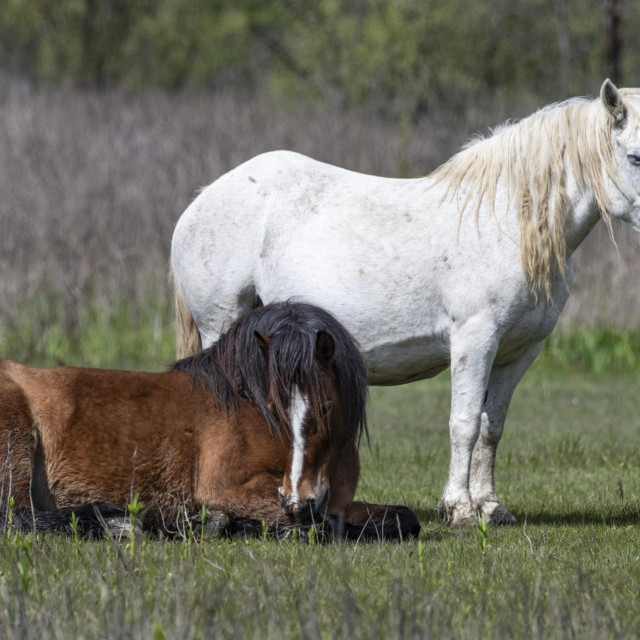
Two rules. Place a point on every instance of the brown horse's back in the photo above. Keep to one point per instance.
(101, 435)
(89, 435)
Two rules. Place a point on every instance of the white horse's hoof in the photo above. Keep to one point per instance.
(495, 513)
(456, 514)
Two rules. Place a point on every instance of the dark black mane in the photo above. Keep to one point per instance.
(234, 367)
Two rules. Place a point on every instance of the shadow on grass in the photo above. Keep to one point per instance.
(628, 516)
(425, 515)
(428, 518)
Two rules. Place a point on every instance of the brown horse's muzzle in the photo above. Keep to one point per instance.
(302, 509)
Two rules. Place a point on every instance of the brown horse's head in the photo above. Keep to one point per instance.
(317, 434)
(317, 391)
(312, 394)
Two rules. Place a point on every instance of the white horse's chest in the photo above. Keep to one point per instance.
(531, 328)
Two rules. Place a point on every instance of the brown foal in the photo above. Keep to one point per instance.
(262, 425)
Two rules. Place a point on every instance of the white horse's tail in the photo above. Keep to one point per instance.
(188, 339)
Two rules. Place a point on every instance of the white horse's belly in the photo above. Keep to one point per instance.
(408, 361)
(399, 344)
(404, 331)
(395, 313)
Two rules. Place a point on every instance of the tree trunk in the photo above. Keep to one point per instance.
(564, 45)
(613, 44)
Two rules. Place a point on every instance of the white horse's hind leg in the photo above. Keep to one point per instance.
(473, 348)
(502, 383)
(219, 317)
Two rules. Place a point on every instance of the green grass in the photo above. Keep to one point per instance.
(569, 467)
(594, 349)
(102, 334)
(119, 333)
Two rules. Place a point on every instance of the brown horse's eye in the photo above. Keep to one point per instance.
(326, 408)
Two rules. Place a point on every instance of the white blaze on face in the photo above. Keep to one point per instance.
(297, 413)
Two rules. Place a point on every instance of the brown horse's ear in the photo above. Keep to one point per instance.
(263, 343)
(325, 348)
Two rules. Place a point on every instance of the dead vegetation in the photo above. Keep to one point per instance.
(91, 184)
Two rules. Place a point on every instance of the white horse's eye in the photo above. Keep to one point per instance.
(634, 159)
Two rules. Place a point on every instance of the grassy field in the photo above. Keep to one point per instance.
(123, 333)
(92, 185)
(569, 467)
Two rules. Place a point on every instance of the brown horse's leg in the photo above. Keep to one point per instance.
(344, 481)
(93, 520)
(380, 522)
(249, 505)
(246, 508)
(255, 507)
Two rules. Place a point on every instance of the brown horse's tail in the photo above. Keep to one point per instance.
(188, 339)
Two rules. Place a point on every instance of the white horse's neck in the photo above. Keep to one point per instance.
(582, 216)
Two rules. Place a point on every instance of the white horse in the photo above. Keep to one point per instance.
(469, 267)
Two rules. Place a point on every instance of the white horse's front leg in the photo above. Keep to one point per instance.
(502, 383)
(473, 348)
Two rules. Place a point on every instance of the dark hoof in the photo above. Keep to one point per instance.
(502, 518)
(217, 523)
(91, 520)
(385, 523)
(443, 514)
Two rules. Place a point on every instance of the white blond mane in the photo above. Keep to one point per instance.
(532, 157)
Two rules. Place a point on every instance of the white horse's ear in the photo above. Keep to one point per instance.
(612, 101)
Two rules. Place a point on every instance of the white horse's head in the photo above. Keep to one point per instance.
(624, 108)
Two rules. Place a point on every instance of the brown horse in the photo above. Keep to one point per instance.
(263, 425)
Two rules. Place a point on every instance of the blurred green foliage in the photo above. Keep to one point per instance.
(120, 333)
(108, 334)
(404, 56)
(594, 349)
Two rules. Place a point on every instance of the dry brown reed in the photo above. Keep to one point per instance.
(91, 184)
